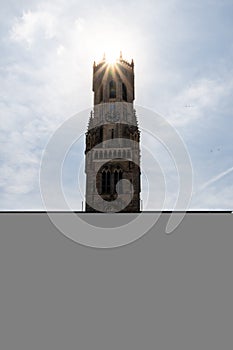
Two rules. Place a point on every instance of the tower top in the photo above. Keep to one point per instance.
(113, 82)
(120, 59)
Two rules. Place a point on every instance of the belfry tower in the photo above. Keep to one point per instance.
(112, 154)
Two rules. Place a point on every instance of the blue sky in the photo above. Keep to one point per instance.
(183, 53)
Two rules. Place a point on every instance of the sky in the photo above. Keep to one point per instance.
(183, 54)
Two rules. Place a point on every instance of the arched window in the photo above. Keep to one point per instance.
(101, 93)
(112, 89)
(104, 181)
(124, 92)
(108, 182)
(117, 178)
(106, 176)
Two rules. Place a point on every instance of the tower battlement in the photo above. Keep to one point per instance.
(97, 66)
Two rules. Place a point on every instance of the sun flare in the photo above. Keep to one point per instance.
(111, 57)
(112, 46)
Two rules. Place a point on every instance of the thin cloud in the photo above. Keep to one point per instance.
(216, 178)
(201, 97)
(32, 25)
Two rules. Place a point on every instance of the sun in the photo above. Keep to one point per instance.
(111, 57)
(111, 45)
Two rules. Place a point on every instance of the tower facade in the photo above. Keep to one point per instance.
(112, 154)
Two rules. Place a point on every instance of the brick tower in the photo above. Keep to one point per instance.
(112, 155)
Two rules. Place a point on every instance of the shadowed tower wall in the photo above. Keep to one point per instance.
(112, 154)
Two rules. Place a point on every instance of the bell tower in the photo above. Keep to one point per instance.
(112, 154)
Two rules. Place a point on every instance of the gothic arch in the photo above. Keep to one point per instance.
(117, 177)
(101, 93)
(124, 92)
(106, 181)
(112, 89)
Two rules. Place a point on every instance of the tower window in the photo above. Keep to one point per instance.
(101, 93)
(104, 181)
(108, 182)
(112, 133)
(117, 178)
(112, 89)
(124, 92)
(106, 176)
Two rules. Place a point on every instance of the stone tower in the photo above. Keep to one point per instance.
(112, 154)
